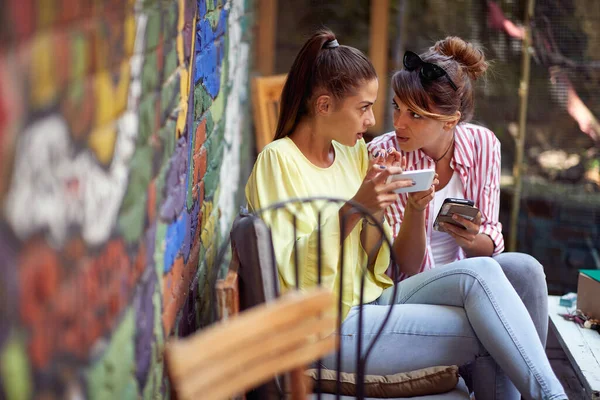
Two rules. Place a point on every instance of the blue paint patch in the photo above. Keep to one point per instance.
(210, 51)
(220, 31)
(201, 9)
(174, 239)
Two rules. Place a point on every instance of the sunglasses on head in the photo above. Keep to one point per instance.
(428, 72)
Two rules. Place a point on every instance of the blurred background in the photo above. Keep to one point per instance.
(560, 200)
(128, 130)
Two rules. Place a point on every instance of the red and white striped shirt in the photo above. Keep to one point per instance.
(477, 160)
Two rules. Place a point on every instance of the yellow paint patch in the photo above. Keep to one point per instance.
(207, 207)
(111, 97)
(129, 33)
(185, 82)
(102, 142)
(44, 79)
(46, 13)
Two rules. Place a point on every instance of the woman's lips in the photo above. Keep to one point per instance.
(360, 136)
(402, 139)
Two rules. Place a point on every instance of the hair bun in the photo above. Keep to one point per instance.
(467, 54)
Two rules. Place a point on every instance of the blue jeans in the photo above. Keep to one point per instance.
(527, 277)
(462, 312)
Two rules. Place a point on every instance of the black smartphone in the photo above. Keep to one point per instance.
(463, 207)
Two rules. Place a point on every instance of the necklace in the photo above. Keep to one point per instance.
(447, 150)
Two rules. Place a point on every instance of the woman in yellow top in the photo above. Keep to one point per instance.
(447, 315)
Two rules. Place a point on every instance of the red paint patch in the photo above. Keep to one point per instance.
(68, 301)
(151, 204)
(200, 136)
(23, 17)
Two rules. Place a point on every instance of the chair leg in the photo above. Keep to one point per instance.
(299, 384)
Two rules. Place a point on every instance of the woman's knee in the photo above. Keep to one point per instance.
(521, 266)
(485, 267)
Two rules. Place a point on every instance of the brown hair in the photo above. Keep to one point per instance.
(463, 62)
(320, 65)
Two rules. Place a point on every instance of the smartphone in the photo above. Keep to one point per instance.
(463, 207)
(423, 179)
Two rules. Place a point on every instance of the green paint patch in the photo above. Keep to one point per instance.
(133, 210)
(159, 253)
(75, 91)
(15, 369)
(167, 134)
(218, 108)
(78, 56)
(210, 5)
(213, 17)
(147, 115)
(152, 389)
(210, 125)
(211, 181)
(202, 101)
(153, 28)
(170, 22)
(113, 376)
(171, 60)
(169, 96)
(149, 74)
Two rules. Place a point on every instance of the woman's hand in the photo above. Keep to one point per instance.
(375, 194)
(390, 158)
(418, 200)
(465, 238)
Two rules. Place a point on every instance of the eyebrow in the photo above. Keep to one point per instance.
(369, 103)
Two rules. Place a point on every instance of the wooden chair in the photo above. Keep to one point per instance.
(246, 350)
(266, 94)
(251, 281)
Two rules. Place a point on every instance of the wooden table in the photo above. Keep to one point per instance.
(582, 347)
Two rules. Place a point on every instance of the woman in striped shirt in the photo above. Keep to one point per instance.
(433, 105)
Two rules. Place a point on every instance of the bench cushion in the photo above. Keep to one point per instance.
(426, 381)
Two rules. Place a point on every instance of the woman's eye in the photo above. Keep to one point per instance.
(395, 106)
(415, 115)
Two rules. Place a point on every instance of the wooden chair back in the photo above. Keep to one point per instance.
(250, 348)
(266, 95)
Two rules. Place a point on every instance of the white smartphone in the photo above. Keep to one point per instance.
(423, 179)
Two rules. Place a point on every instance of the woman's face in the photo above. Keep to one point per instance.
(414, 131)
(352, 116)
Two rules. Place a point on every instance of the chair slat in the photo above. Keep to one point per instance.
(266, 94)
(248, 355)
(261, 373)
(221, 339)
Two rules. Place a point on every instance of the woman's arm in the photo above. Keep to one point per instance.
(483, 236)
(410, 244)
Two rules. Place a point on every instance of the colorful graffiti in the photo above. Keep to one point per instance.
(123, 125)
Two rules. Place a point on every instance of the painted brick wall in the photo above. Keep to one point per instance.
(124, 141)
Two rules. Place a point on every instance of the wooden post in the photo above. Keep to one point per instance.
(378, 53)
(266, 23)
(520, 139)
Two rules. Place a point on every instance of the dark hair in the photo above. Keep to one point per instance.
(320, 64)
(463, 62)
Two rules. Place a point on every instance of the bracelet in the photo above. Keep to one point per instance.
(369, 222)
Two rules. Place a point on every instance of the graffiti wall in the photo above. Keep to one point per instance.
(124, 135)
